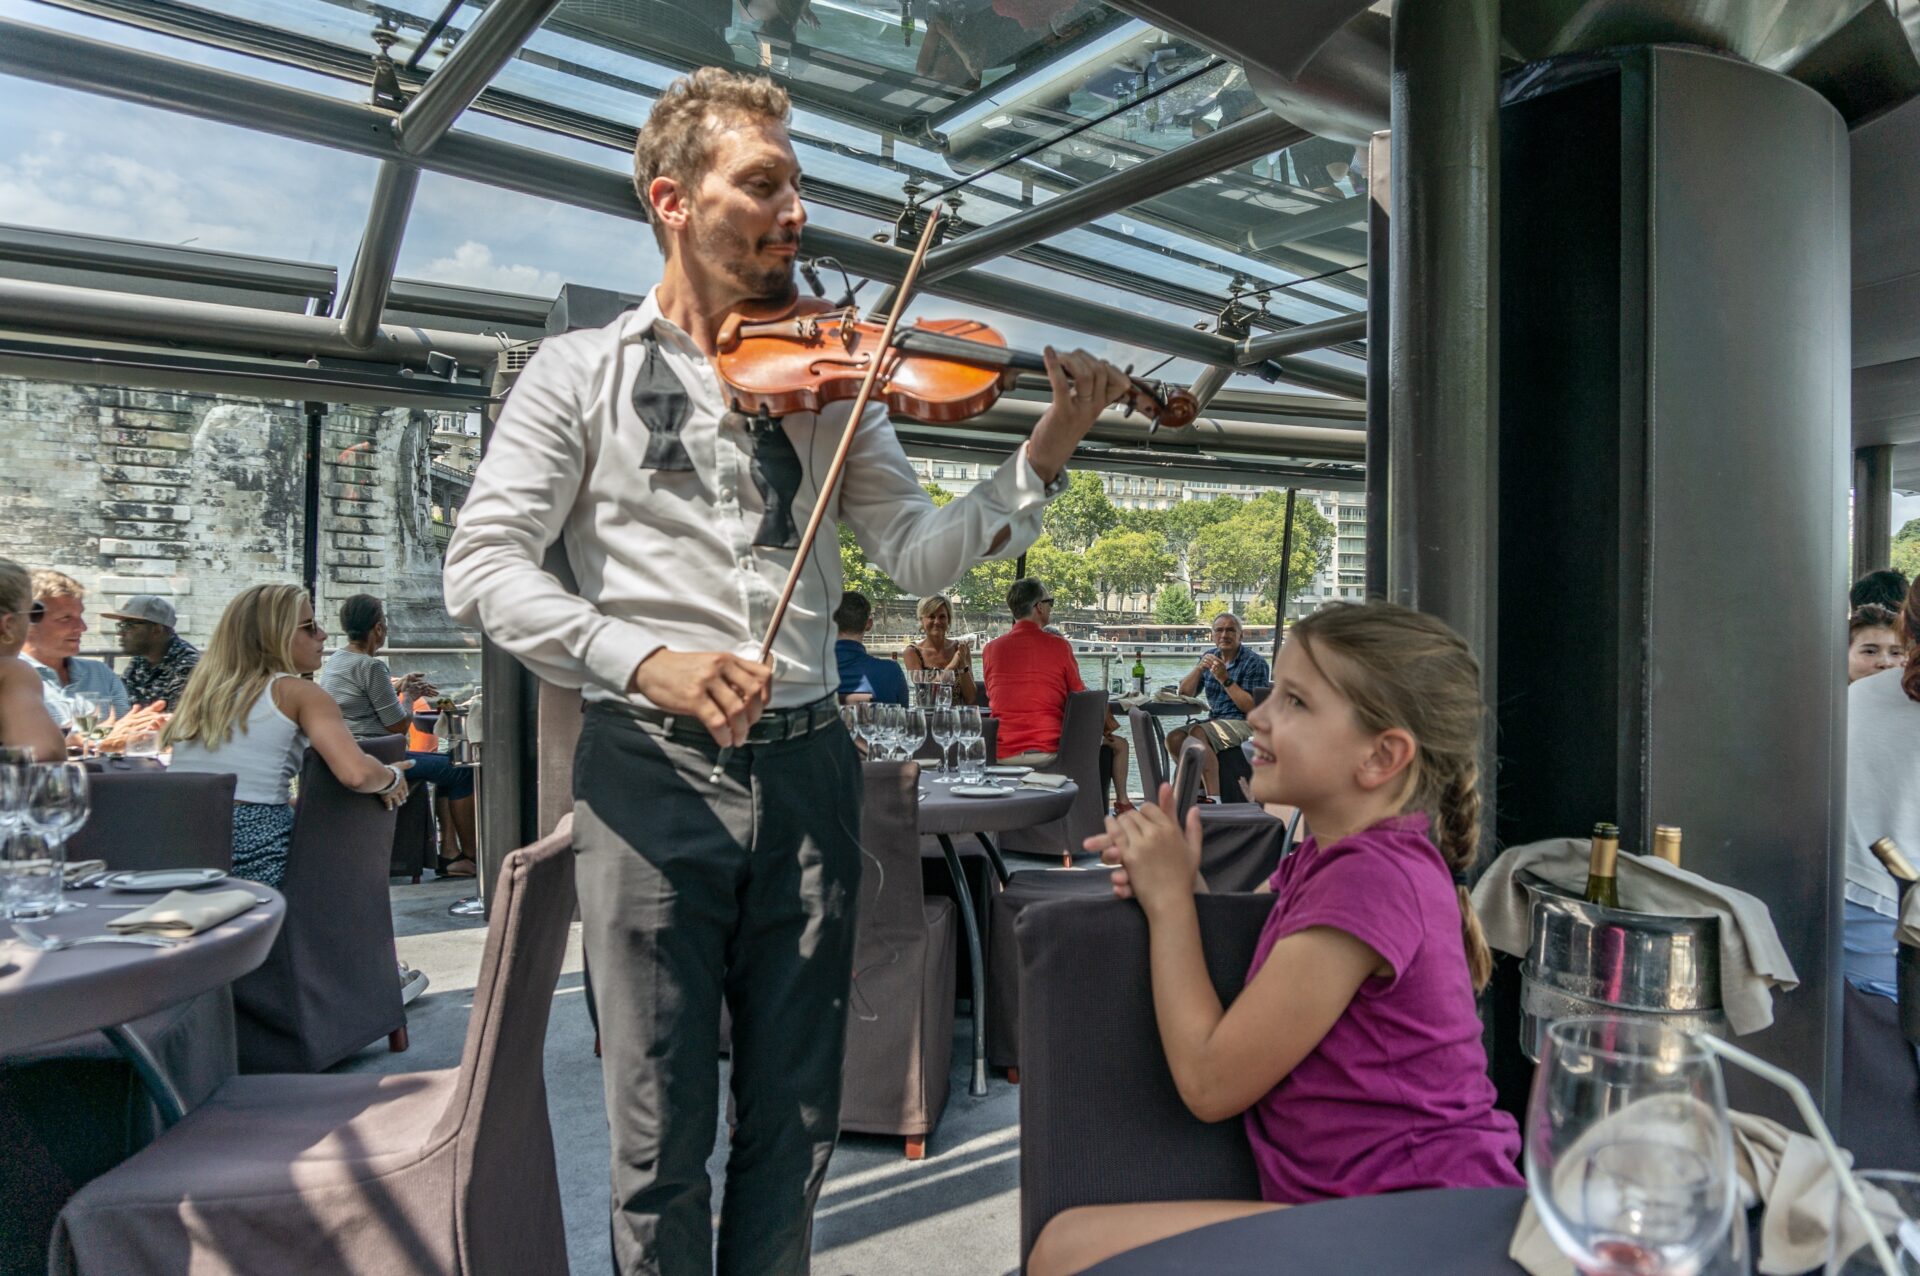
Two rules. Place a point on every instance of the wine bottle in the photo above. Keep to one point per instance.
(1888, 852)
(1139, 672)
(1602, 859)
(1666, 843)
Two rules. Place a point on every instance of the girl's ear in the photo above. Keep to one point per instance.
(1387, 761)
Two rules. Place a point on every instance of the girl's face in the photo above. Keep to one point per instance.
(1873, 648)
(309, 642)
(936, 624)
(1307, 744)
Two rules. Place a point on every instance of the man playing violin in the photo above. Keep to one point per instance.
(677, 518)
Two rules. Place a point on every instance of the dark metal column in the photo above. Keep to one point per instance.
(1443, 345)
(1286, 571)
(1872, 509)
(1379, 337)
(310, 529)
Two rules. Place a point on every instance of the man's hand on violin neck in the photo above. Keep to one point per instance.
(1083, 387)
(725, 692)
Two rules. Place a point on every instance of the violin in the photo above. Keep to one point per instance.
(942, 371)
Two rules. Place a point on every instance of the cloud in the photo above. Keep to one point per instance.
(472, 264)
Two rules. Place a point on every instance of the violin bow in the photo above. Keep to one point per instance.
(831, 483)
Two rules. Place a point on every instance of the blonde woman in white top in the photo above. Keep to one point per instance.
(246, 711)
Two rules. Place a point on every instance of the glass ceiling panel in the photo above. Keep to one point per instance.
(76, 162)
(979, 93)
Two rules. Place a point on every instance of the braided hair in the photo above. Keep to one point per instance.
(1402, 668)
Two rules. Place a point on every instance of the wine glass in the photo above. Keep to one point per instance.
(86, 716)
(968, 734)
(883, 731)
(12, 798)
(1629, 1153)
(916, 728)
(58, 801)
(940, 725)
(861, 725)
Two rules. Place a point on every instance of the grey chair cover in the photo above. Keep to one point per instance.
(1150, 748)
(1187, 778)
(71, 1110)
(146, 819)
(1082, 725)
(1879, 1085)
(900, 1025)
(1086, 1016)
(1240, 846)
(442, 1172)
(416, 843)
(330, 986)
(1023, 889)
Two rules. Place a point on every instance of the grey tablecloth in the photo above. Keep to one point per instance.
(942, 812)
(46, 996)
(1441, 1233)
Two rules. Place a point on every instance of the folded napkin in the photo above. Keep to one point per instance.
(74, 870)
(1043, 780)
(1908, 932)
(1805, 1223)
(1752, 961)
(178, 914)
(1174, 697)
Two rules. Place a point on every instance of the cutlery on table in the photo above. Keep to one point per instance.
(48, 944)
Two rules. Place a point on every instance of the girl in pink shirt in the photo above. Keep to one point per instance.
(1353, 1054)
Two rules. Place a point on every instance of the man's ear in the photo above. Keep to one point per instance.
(667, 201)
(1387, 761)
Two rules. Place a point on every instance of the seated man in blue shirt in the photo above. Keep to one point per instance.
(1228, 675)
(56, 623)
(882, 681)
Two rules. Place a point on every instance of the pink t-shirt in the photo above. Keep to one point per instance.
(1396, 1095)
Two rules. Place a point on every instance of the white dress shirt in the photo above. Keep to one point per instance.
(665, 558)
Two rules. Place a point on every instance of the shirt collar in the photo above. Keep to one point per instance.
(645, 320)
(44, 670)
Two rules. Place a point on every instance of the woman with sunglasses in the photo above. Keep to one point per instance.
(24, 720)
(248, 712)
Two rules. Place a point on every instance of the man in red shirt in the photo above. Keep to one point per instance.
(1029, 674)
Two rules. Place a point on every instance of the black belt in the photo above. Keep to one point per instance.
(773, 726)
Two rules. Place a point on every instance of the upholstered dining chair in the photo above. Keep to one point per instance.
(448, 1172)
(152, 819)
(900, 1012)
(1150, 749)
(1082, 726)
(331, 984)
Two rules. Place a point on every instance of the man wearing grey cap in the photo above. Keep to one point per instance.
(162, 659)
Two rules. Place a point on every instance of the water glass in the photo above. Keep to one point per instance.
(31, 867)
(1629, 1154)
(13, 797)
(143, 744)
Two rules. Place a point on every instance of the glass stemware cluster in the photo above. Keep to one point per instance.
(40, 807)
(888, 732)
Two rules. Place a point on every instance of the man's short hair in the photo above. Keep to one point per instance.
(1023, 596)
(676, 140)
(48, 583)
(1226, 615)
(853, 613)
(1886, 587)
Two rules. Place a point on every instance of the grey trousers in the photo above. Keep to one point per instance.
(691, 892)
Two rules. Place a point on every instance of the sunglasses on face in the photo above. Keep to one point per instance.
(37, 612)
(311, 627)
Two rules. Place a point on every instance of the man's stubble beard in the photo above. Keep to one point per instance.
(727, 249)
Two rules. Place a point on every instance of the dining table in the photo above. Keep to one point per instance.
(943, 814)
(49, 995)
(1442, 1232)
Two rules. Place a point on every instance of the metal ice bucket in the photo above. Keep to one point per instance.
(1583, 959)
(459, 745)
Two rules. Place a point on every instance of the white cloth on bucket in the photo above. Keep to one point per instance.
(1806, 1219)
(1752, 960)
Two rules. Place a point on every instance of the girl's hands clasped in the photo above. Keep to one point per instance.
(1158, 861)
